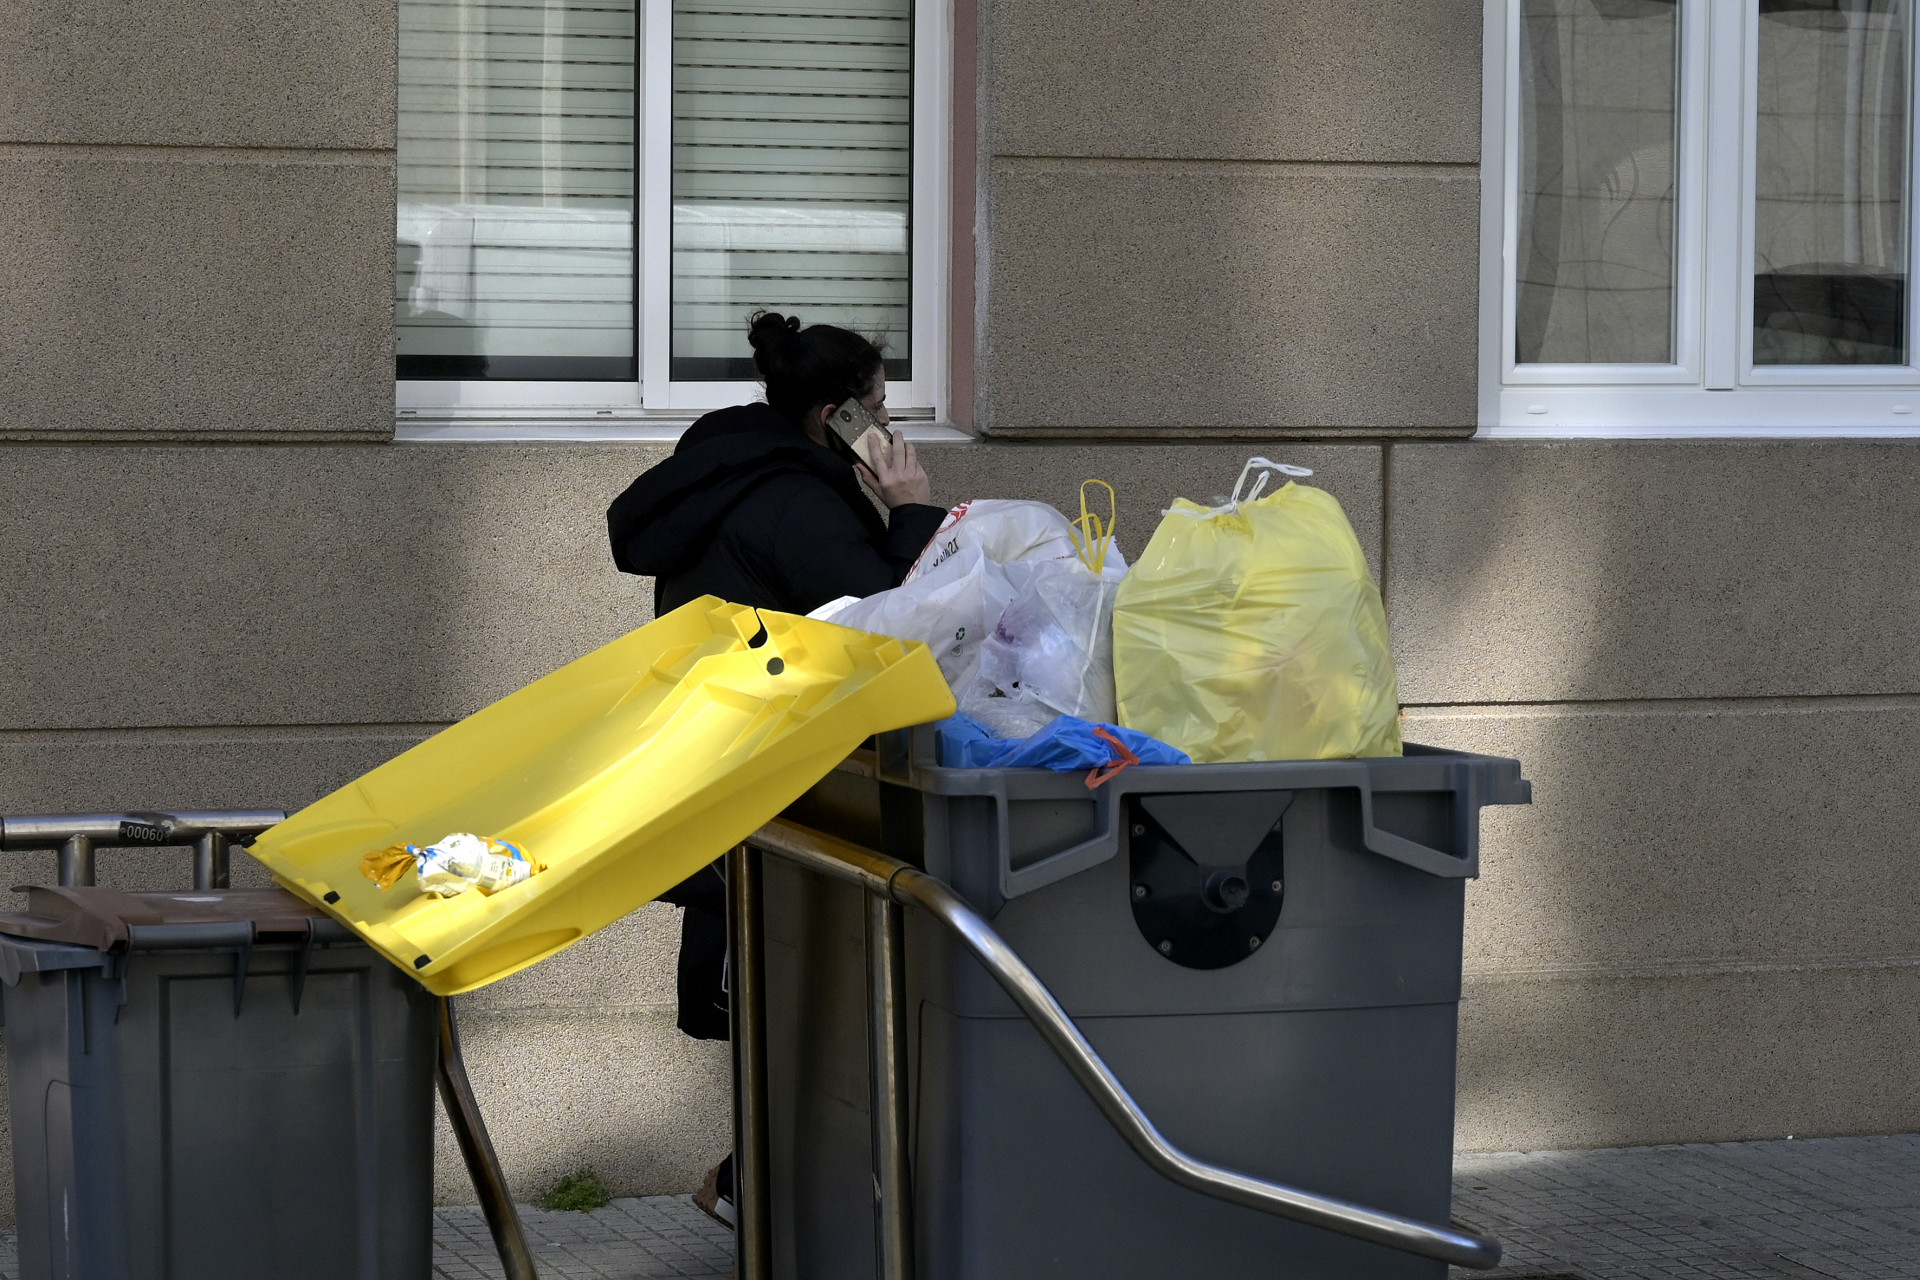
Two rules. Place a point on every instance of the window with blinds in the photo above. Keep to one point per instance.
(792, 174)
(784, 164)
(515, 256)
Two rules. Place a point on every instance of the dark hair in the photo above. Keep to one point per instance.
(806, 368)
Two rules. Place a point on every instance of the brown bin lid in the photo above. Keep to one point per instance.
(90, 916)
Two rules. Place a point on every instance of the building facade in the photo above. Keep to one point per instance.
(249, 556)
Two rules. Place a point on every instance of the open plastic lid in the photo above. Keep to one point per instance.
(620, 775)
(108, 919)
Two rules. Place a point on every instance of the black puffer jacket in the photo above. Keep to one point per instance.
(750, 510)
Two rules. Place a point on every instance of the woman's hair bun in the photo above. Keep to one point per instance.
(767, 328)
(806, 368)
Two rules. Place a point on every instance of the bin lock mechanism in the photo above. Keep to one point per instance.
(1206, 873)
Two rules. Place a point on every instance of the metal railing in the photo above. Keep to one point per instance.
(476, 1148)
(891, 885)
(75, 837)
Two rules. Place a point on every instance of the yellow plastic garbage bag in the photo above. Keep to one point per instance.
(1253, 631)
(618, 776)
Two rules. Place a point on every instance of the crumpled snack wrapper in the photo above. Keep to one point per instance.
(452, 865)
(385, 866)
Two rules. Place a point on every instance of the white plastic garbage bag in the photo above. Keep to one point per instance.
(1016, 602)
(1051, 652)
(1005, 530)
(950, 608)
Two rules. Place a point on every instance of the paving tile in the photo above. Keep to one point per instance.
(1820, 1209)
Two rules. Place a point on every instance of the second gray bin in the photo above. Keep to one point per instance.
(214, 1086)
(1267, 955)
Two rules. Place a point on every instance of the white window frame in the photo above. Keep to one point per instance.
(1713, 387)
(655, 407)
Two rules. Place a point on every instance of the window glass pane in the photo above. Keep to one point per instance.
(1830, 211)
(516, 245)
(1598, 81)
(792, 176)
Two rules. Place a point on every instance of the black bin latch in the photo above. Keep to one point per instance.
(1207, 874)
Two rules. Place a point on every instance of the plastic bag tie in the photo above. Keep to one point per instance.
(1266, 468)
(1122, 758)
(1092, 536)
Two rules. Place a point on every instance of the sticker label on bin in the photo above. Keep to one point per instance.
(148, 830)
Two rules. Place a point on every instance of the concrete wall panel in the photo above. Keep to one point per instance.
(1172, 296)
(111, 771)
(1695, 834)
(623, 1093)
(585, 1047)
(1697, 929)
(305, 586)
(1615, 1060)
(273, 768)
(399, 584)
(1585, 570)
(259, 73)
(1271, 80)
(179, 295)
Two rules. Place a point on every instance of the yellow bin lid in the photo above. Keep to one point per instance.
(623, 773)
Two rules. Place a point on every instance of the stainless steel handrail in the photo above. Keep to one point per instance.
(476, 1148)
(896, 882)
(747, 1010)
(77, 836)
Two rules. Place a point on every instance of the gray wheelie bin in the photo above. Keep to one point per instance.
(220, 1085)
(1267, 955)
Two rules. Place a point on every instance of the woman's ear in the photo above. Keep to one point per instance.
(815, 423)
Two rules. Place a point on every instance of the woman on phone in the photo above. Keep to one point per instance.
(761, 505)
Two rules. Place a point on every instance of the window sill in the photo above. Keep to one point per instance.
(1199, 434)
(1530, 432)
(1679, 413)
(602, 427)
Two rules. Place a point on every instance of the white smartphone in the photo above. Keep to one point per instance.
(854, 423)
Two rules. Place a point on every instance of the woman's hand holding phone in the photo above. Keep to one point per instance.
(891, 470)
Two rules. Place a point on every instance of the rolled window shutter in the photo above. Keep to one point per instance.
(516, 158)
(792, 174)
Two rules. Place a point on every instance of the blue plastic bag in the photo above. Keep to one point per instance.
(1067, 745)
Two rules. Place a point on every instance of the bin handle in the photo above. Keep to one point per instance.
(1412, 853)
(1103, 844)
(897, 882)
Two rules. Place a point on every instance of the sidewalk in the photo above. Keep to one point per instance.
(656, 1238)
(1825, 1209)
